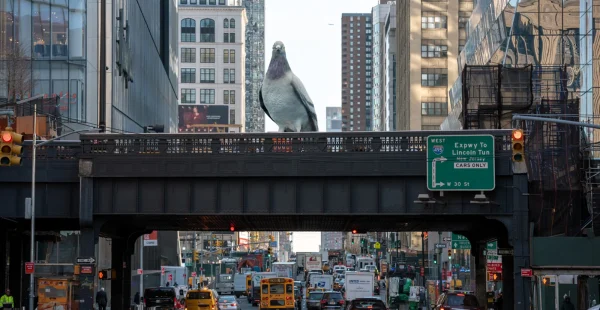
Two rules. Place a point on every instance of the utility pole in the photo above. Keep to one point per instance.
(440, 262)
(397, 250)
(423, 255)
(193, 252)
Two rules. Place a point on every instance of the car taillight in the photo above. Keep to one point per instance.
(342, 302)
(175, 301)
(323, 301)
(233, 305)
(288, 297)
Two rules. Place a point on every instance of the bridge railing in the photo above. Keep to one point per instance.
(55, 150)
(256, 143)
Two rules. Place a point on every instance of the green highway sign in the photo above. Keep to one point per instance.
(461, 163)
(460, 242)
(492, 246)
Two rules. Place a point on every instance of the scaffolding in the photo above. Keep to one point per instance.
(558, 183)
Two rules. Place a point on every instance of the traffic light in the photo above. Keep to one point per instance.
(449, 254)
(271, 238)
(10, 148)
(425, 235)
(103, 275)
(354, 231)
(496, 276)
(196, 256)
(518, 145)
(435, 258)
(231, 228)
(352, 240)
(269, 252)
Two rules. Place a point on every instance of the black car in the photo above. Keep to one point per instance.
(457, 300)
(160, 297)
(333, 300)
(313, 300)
(367, 304)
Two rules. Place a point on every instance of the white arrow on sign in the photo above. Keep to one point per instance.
(86, 260)
(433, 171)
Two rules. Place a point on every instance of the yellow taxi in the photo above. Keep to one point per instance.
(203, 299)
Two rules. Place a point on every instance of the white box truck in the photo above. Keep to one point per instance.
(359, 285)
(322, 281)
(313, 262)
(285, 269)
(240, 284)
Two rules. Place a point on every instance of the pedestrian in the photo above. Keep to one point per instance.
(567, 305)
(101, 299)
(136, 298)
(7, 300)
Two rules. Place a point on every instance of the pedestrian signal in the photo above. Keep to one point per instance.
(518, 145)
(449, 254)
(102, 275)
(546, 281)
(496, 276)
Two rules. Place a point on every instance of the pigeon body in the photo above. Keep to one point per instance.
(284, 98)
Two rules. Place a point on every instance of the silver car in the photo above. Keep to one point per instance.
(228, 302)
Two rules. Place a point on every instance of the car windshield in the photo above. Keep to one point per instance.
(198, 295)
(227, 299)
(315, 296)
(159, 292)
(333, 296)
(462, 300)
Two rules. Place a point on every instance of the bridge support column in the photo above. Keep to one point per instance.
(121, 263)
(87, 248)
(16, 280)
(518, 237)
(480, 272)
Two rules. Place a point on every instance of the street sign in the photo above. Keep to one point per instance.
(447, 239)
(461, 163)
(526, 273)
(140, 271)
(86, 260)
(86, 270)
(440, 245)
(170, 277)
(507, 252)
(492, 246)
(377, 245)
(494, 267)
(460, 242)
(273, 244)
(193, 274)
(29, 267)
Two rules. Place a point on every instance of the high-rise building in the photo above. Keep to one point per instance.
(59, 44)
(332, 240)
(255, 63)
(334, 119)
(212, 66)
(380, 13)
(436, 30)
(357, 71)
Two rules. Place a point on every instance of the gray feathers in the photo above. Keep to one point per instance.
(284, 98)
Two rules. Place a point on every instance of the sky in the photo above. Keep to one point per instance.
(306, 241)
(313, 46)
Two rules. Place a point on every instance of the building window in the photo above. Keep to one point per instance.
(461, 45)
(463, 19)
(207, 96)
(188, 95)
(225, 56)
(226, 23)
(434, 20)
(221, 2)
(229, 76)
(188, 55)
(232, 56)
(207, 30)
(232, 97)
(232, 23)
(434, 49)
(212, 2)
(188, 30)
(207, 55)
(430, 127)
(232, 116)
(188, 75)
(225, 97)
(183, 2)
(434, 108)
(434, 77)
(207, 75)
(193, 1)
(229, 37)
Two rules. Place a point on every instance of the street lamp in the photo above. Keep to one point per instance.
(34, 147)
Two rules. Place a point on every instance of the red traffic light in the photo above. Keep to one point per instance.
(354, 231)
(517, 134)
(7, 137)
(232, 228)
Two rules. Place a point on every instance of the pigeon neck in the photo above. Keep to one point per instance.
(278, 67)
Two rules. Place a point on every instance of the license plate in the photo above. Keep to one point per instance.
(332, 302)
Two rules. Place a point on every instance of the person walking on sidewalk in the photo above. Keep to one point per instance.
(7, 301)
(101, 299)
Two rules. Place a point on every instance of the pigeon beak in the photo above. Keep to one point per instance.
(278, 47)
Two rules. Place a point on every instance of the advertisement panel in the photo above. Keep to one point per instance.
(313, 262)
(151, 239)
(203, 118)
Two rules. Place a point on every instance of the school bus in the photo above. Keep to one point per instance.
(57, 293)
(277, 293)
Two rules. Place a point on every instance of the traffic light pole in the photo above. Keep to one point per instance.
(440, 262)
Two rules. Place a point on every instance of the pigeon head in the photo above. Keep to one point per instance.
(278, 49)
(279, 65)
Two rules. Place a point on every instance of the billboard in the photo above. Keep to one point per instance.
(151, 239)
(200, 117)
